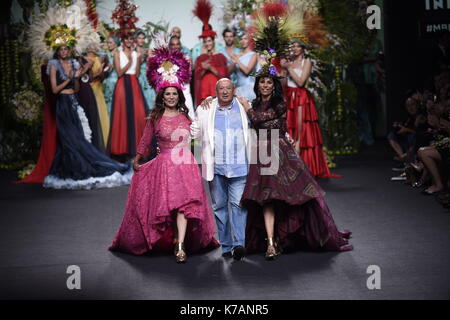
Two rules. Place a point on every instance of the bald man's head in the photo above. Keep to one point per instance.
(176, 31)
(225, 91)
(223, 80)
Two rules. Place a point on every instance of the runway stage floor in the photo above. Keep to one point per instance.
(394, 227)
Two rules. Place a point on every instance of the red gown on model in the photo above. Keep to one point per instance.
(49, 135)
(311, 143)
(205, 85)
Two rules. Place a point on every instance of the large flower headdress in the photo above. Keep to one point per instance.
(167, 68)
(58, 27)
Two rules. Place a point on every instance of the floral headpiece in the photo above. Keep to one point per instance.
(67, 26)
(60, 35)
(300, 38)
(168, 68)
(268, 69)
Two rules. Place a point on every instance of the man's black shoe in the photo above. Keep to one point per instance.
(238, 252)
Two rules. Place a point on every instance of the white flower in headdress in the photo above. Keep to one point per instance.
(168, 71)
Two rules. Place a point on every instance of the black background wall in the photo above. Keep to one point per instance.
(408, 48)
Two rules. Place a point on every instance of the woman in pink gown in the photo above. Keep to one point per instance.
(166, 203)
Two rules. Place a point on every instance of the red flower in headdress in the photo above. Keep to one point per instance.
(274, 9)
(124, 16)
(92, 13)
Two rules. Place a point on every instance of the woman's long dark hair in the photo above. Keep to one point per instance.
(159, 108)
(71, 58)
(277, 95)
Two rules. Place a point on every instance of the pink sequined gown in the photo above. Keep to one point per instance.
(169, 183)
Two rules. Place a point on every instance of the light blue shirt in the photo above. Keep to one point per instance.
(244, 84)
(229, 143)
(186, 51)
(233, 76)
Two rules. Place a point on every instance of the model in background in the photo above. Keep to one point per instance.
(302, 118)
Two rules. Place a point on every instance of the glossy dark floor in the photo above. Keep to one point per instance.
(394, 227)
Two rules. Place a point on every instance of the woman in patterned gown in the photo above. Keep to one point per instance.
(283, 199)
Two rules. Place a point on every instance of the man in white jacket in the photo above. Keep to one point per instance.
(223, 130)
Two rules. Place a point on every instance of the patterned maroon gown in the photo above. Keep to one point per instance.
(302, 217)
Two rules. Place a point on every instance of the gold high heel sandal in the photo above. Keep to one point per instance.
(272, 249)
(180, 254)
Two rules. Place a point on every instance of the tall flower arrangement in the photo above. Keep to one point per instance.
(91, 11)
(125, 16)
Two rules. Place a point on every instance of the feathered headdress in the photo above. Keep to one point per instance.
(203, 11)
(124, 15)
(313, 33)
(58, 27)
(273, 25)
(167, 68)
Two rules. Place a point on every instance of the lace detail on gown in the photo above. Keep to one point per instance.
(302, 216)
(169, 183)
